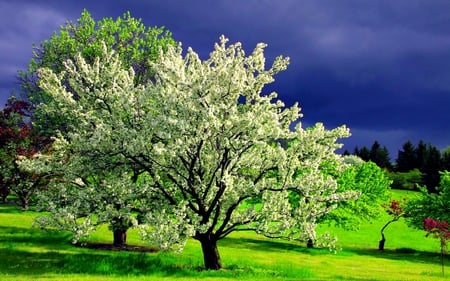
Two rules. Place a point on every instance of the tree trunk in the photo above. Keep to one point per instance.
(24, 203)
(211, 255)
(381, 243)
(4, 192)
(120, 237)
(383, 239)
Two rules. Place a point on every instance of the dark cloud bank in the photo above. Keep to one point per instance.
(380, 67)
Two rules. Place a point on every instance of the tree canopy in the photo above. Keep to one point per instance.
(372, 182)
(135, 44)
(434, 205)
(202, 139)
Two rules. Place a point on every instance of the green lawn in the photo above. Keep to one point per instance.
(31, 254)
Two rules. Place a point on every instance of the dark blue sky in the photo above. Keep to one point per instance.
(380, 67)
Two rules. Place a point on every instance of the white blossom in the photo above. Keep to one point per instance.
(207, 140)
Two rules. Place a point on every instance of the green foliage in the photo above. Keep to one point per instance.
(406, 180)
(135, 44)
(373, 185)
(426, 158)
(446, 159)
(436, 206)
(87, 189)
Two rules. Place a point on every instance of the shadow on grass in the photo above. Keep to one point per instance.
(28, 251)
(10, 207)
(16, 236)
(282, 246)
(400, 254)
(273, 245)
(105, 263)
(91, 263)
(32, 252)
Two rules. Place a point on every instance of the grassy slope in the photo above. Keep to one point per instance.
(30, 254)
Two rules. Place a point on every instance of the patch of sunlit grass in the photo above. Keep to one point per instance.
(33, 254)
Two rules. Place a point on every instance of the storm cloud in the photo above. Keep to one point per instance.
(380, 67)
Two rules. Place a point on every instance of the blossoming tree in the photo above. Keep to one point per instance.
(18, 138)
(204, 142)
(439, 230)
(396, 210)
(134, 43)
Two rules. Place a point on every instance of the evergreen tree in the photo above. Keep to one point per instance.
(431, 168)
(445, 159)
(380, 155)
(421, 152)
(406, 158)
(363, 153)
(346, 153)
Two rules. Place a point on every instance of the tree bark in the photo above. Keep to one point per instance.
(381, 243)
(120, 237)
(211, 255)
(24, 203)
(383, 239)
(4, 192)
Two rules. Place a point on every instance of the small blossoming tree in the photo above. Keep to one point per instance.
(439, 230)
(396, 210)
(204, 141)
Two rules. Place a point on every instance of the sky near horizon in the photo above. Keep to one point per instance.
(380, 67)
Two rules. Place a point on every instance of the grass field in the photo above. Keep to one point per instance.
(31, 254)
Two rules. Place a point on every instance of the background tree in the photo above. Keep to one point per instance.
(421, 152)
(426, 158)
(406, 158)
(445, 159)
(135, 44)
(371, 182)
(363, 153)
(380, 156)
(377, 154)
(431, 168)
(204, 139)
(410, 180)
(430, 205)
(18, 138)
(82, 198)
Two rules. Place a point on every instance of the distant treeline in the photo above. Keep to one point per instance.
(415, 164)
